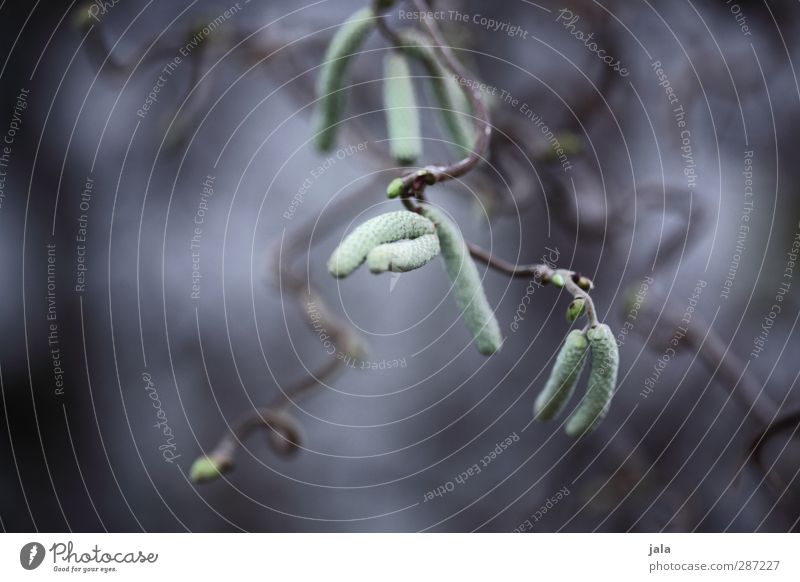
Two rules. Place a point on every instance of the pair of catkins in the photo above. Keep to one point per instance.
(401, 241)
(566, 373)
(399, 94)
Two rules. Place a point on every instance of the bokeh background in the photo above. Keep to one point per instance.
(702, 438)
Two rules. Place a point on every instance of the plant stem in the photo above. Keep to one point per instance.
(577, 285)
(380, 23)
(284, 435)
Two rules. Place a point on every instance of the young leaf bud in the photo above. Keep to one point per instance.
(576, 308)
(584, 283)
(208, 468)
(395, 188)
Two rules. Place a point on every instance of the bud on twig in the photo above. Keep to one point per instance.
(396, 188)
(577, 307)
(208, 468)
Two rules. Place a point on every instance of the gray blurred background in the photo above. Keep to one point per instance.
(703, 441)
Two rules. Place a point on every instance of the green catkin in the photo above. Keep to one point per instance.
(462, 113)
(602, 381)
(563, 378)
(470, 297)
(333, 74)
(452, 103)
(404, 255)
(386, 228)
(402, 115)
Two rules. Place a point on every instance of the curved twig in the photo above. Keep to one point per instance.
(284, 437)
(788, 420)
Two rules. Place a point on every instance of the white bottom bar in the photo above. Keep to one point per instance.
(401, 557)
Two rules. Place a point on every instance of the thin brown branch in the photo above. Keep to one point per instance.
(379, 7)
(100, 55)
(308, 383)
(573, 282)
(712, 350)
(283, 436)
(732, 372)
(540, 271)
(786, 421)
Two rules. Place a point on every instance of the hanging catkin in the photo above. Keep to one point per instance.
(403, 255)
(453, 107)
(566, 371)
(402, 115)
(467, 287)
(333, 75)
(386, 228)
(602, 380)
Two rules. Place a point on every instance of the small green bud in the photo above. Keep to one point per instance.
(576, 308)
(396, 188)
(585, 283)
(82, 17)
(557, 280)
(206, 469)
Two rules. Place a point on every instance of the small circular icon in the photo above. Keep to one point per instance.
(31, 555)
